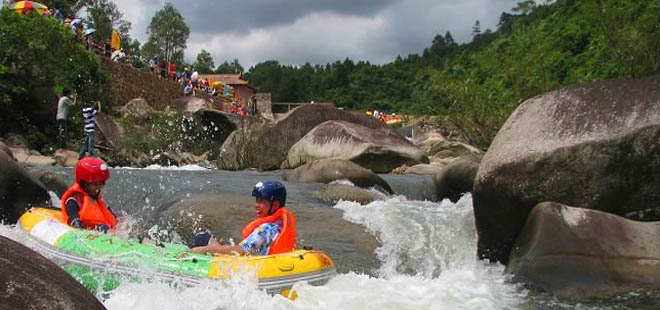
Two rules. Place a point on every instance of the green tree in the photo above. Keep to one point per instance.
(630, 31)
(133, 53)
(104, 16)
(204, 62)
(66, 7)
(230, 67)
(476, 29)
(168, 34)
(236, 65)
(38, 57)
(524, 7)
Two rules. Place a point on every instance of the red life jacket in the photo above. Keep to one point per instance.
(286, 239)
(92, 213)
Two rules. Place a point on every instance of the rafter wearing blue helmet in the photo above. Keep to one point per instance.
(272, 232)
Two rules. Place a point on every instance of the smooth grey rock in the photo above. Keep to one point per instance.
(137, 109)
(30, 281)
(66, 158)
(369, 148)
(593, 146)
(334, 193)
(328, 170)
(19, 191)
(265, 147)
(457, 178)
(578, 253)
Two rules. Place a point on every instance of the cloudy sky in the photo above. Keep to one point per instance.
(317, 31)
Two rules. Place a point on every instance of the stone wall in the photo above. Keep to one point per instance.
(128, 83)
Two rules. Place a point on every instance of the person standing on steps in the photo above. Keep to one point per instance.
(65, 102)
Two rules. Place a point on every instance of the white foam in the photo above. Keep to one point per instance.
(428, 254)
(159, 167)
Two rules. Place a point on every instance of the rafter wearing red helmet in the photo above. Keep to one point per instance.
(82, 204)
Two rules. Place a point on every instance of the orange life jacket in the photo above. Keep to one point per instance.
(92, 213)
(286, 239)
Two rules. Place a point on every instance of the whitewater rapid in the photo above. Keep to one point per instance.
(428, 262)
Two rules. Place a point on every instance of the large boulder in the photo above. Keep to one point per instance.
(110, 130)
(18, 190)
(575, 252)
(137, 109)
(31, 158)
(267, 146)
(5, 149)
(423, 169)
(66, 158)
(452, 149)
(373, 149)
(189, 105)
(217, 125)
(593, 147)
(427, 141)
(334, 193)
(50, 180)
(16, 141)
(30, 281)
(329, 170)
(236, 152)
(170, 158)
(457, 178)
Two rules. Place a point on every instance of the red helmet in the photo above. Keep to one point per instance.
(91, 170)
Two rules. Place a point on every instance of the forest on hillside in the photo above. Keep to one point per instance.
(475, 86)
(471, 88)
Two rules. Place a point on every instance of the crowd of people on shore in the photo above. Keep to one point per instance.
(85, 35)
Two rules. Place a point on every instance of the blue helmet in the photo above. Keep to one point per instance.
(270, 190)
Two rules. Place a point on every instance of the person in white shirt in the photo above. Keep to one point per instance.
(66, 101)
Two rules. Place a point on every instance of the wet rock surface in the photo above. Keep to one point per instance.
(30, 281)
(578, 253)
(372, 149)
(19, 191)
(593, 147)
(269, 145)
(457, 178)
(334, 193)
(329, 170)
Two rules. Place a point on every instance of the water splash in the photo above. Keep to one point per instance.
(428, 254)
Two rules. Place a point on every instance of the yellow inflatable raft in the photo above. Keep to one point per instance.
(84, 250)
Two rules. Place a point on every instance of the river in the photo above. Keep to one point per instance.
(424, 257)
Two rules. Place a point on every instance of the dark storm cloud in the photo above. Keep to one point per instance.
(242, 16)
(299, 31)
